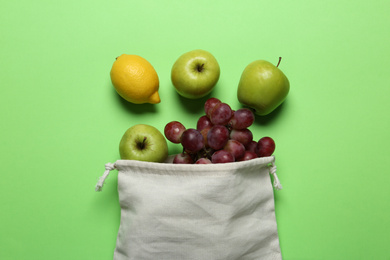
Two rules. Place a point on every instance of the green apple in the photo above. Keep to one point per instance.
(195, 73)
(263, 87)
(143, 143)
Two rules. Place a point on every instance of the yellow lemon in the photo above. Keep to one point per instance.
(135, 79)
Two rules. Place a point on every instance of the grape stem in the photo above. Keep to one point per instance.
(229, 127)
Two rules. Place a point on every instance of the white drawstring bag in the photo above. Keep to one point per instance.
(196, 211)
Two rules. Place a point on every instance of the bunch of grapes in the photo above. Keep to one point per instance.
(221, 136)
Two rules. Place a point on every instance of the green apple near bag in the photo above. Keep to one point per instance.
(262, 87)
(143, 143)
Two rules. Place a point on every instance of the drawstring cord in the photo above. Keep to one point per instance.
(272, 171)
(109, 167)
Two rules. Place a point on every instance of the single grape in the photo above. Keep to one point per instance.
(251, 146)
(221, 114)
(248, 155)
(210, 104)
(217, 137)
(236, 148)
(242, 118)
(173, 131)
(203, 122)
(203, 161)
(265, 147)
(222, 156)
(182, 158)
(204, 133)
(192, 140)
(244, 136)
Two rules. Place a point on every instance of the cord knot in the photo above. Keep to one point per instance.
(272, 171)
(110, 166)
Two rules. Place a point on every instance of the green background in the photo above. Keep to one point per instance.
(61, 119)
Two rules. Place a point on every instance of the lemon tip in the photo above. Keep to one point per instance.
(154, 98)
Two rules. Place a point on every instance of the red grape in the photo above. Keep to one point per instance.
(242, 118)
(221, 136)
(182, 158)
(192, 140)
(221, 114)
(222, 156)
(203, 161)
(217, 137)
(251, 146)
(204, 133)
(203, 122)
(210, 104)
(173, 131)
(236, 148)
(265, 147)
(248, 155)
(244, 136)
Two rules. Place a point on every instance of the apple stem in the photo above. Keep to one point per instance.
(142, 145)
(280, 59)
(200, 68)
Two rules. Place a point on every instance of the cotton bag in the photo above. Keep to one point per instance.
(196, 211)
